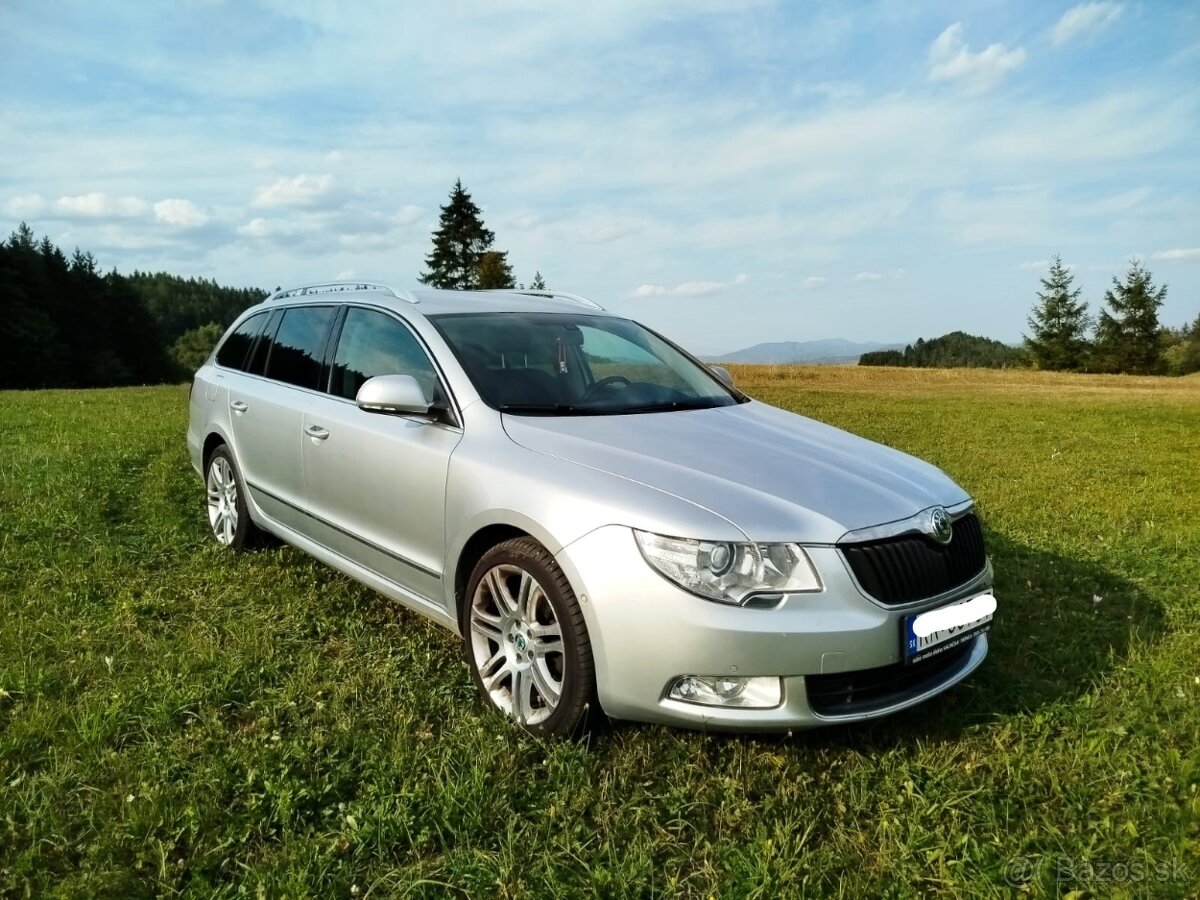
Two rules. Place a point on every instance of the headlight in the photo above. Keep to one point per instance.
(739, 574)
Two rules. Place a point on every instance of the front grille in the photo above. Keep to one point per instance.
(914, 567)
(871, 690)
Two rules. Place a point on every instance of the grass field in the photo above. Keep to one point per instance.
(177, 719)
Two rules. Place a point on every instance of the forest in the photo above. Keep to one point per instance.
(64, 323)
(956, 349)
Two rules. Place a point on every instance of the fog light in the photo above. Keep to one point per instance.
(727, 690)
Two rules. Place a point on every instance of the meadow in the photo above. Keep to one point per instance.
(179, 720)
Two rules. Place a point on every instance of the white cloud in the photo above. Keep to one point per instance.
(302, 190)
(878, 276)
(260, 228)
(950, 59)
(1083, 19)
(812, 282)
(98, 205)
(1179, 254)
(408, 214)
(25, 205)
(180, 213)
(688, 288)
(344, 275)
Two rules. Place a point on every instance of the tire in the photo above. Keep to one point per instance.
(228, 517)
(526, 641)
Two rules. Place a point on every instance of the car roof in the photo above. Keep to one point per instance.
(431, 301)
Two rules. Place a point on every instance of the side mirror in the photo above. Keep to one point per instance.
(722, 373)
(396, 394)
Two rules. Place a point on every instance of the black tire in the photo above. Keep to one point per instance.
(576, 706)
(244, 534)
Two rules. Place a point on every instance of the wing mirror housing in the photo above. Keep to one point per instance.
(722, 373)
(395, 394)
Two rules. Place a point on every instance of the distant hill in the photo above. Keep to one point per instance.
(829, 351)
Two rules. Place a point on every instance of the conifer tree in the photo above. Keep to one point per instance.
(1059, 323)
(458, 244)
(494, 271)
(1128, 336)
(538, 283)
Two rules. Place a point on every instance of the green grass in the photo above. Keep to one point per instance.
(177, 719)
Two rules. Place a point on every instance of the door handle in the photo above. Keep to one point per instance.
(316, 432)
(238, 406)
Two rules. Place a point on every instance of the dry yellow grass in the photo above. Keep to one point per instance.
(917, 382)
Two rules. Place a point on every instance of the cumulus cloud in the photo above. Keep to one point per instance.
(25, 205)
(951, 59)
(812, 282)
(180, 213)
(687, 288)
(299, 191)
(1084, 19)
(1179, 254)
(98, 205)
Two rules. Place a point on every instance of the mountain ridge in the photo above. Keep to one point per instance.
(826, 351)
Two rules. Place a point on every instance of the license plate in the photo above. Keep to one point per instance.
(935, 631)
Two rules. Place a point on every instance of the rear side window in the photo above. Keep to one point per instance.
(299, 348)
(232, 354)
(262, 350)
(373, 343)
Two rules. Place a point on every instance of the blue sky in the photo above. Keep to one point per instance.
(728, 172)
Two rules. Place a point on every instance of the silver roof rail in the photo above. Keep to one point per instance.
(553, 295)
(334, 287)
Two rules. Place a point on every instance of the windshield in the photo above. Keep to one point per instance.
(576, 364)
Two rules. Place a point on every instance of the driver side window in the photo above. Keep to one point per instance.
(374, 343)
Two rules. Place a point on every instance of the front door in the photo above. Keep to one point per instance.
(376, 482)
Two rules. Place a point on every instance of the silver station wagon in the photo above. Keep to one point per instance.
(607, 522)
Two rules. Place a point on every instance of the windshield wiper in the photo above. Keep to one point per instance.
(536, 409)
(671, 406)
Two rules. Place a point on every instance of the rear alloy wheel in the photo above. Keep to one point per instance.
(227, 514)
(526, 639)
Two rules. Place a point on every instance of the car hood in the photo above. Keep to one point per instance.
(776, 475)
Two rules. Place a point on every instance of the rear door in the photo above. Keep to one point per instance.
(376, 482)
(267, 408)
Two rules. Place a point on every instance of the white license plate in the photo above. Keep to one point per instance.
(938, 630)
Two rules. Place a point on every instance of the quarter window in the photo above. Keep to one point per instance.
(373, 343)
(232, 354)
(298, 351)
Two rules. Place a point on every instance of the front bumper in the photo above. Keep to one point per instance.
(645, 632)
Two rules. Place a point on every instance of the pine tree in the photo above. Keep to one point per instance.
(1128, 339)
(494, 272)
(538, 283)
(458, 244)
(1059, 323)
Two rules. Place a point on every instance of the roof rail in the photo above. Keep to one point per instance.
(553, 295)
(334, 287)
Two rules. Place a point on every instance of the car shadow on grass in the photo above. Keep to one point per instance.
(1061, 625)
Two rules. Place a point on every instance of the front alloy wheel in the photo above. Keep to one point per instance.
(526, 639)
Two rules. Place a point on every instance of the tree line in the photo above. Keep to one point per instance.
(64, 323)
(953, 350)
(1126, 336)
